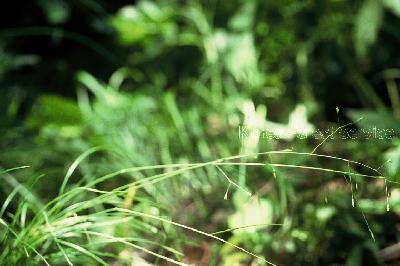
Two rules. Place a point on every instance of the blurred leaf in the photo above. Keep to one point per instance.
(135, 23)
(254, 120)
(380, 119)
(52, 109)
(241, 59)
(10, 62)
(368, 22)
(393, 158)
(216, 45)
(92, 84)
(298, 124)
(235, 259)
(57, 11)
(130, 25)
(243, 19)
(299, 234)
(250, 212)
(393, 5)
(151, 10)
(195, 13)
(324, 213)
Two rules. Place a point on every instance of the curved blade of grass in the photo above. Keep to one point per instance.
(74, 165)
(122, 240)
(13, 169)
(23, 242)
(244, 227)
(330, 170)
(83, 251)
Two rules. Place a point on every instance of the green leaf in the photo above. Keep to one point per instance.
(381, 120)
(251, 212)
(393, 5)
(243, 20)
(57, 11)
(130, 25)
(241, 59)
(392, 156)
(56, 110)
(135, 24)
(325, 213)
(368, 22)
(298, 124)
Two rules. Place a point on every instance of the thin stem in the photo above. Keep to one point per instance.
(394, 97)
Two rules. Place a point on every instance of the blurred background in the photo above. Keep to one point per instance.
(169, 81)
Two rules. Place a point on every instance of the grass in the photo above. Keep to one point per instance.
(84, 220)
(177, 97)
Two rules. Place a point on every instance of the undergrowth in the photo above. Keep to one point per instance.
(83, 220)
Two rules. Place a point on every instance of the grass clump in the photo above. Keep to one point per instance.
(85, 225)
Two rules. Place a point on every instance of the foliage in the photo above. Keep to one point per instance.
(156, 91)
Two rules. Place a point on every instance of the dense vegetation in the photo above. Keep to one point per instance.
(200, 132)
